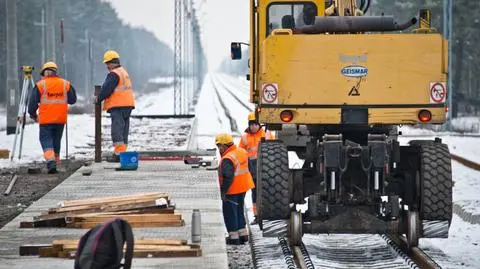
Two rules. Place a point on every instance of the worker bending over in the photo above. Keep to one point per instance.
(235, 180)
(51, 96)
(250, 141)
(119, 99)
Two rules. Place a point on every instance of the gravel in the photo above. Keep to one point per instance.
(29, 187)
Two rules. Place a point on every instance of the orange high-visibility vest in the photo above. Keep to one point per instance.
(122, 96)
(242, 180)
(53, 107)
(250, 142)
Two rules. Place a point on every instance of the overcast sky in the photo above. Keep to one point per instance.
(222, 21)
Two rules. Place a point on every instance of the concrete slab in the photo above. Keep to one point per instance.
(189, 188)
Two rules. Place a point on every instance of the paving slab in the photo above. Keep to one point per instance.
(189, 189)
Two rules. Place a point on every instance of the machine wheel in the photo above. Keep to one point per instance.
(295, 229)
(413, 229)
(273, 198)
(435, 182)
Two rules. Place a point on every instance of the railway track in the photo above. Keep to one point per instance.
(337, 251)
(248, 106)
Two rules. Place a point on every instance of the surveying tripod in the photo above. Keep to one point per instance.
(22, 108)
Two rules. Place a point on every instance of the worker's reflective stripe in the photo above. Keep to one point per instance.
(238, 171)
(252, 149)
(44, 99)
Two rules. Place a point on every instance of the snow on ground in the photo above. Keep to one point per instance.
(81, 130)
(159, 102)
(466, 147)
(161, 80)
(461, 247)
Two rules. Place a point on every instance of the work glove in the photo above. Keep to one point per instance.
(223, 196)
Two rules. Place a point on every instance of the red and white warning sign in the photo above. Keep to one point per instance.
(270, 93)
(438, 92)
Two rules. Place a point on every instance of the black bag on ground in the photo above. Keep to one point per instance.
(102, 246)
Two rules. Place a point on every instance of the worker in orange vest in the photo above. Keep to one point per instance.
(235, 180)
(117, 92)
(51, 96)
(250, 141)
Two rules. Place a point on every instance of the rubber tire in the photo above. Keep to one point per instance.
(273, 197)
(435, 182)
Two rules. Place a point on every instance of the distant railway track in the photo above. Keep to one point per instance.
(233, 122)
(240, 101)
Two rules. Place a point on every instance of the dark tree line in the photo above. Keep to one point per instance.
(140, 51)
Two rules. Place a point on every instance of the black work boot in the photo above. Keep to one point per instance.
(231, 241)
(114, 158)
(52, 167)
(243, 239)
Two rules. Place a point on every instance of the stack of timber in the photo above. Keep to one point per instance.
(143, 248)
(140, 210)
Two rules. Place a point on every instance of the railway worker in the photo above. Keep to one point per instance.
(51, 96)
(249, 141)
(117, 92)
(235, 180)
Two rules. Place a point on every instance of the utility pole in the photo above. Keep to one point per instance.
(12, 66)
(87, 43)
(50, 31)
(177, 70)
(42, 24)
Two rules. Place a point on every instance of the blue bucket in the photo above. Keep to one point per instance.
(129, 160)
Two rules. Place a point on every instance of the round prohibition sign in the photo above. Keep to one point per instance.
(270, 93)
(438, 92)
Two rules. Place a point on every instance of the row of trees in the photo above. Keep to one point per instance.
(90, 28)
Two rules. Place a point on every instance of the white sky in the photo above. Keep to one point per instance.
(222, 21)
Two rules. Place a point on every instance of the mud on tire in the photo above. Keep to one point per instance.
(435, 182)
(273, 199)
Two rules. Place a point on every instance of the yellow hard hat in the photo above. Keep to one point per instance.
(110, 55)
(48, 65)
(223, 139)
(251, 117)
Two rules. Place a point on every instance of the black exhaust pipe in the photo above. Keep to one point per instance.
(352, 24)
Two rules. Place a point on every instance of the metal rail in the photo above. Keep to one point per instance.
(416, 254)
(468, 163)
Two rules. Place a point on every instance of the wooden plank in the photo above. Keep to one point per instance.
(47, 252)
(4, 153)
(137, 242)
(167, 253)
(97, 200)
(44, 223)
(89, 225)
(72, 247)
(149, 210)
(32, 250)
(129, 218)
(118, 206)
